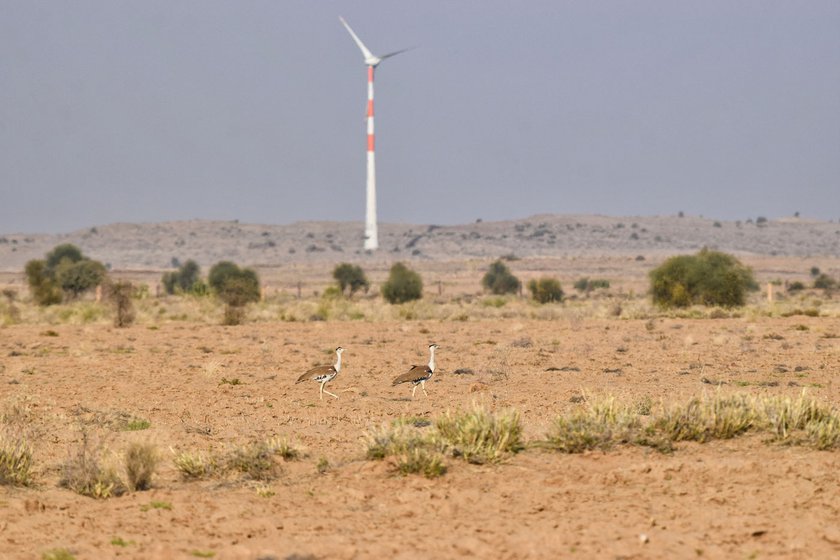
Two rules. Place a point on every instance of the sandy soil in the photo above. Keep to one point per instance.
(737, 499)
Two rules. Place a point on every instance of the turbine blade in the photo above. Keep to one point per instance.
(365, 51)
(389, 55)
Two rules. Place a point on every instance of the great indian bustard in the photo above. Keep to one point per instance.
(418, 375)
(324, 374)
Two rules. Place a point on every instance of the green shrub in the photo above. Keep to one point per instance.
(235, 286)
(186, 279)
(795, 286)
(707, 278)
(64, 273)
(500, 280)
(546, 290)
(587, 285)
(825, 282)
(351, 278)
(403, 285)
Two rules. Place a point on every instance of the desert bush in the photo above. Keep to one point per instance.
(403, 285)
(79, 277)
(500, 280)
(480, 436)
(351, 278)
(119, 293)
(64, 273)
(85, 474)
(707, 278)
(15, 460)
(588, 285)
(546, 290)
(141, 460)
(795, 286)
(825, 282)
(236, 287)
(187, 279)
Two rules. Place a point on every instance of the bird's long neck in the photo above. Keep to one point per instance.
(337, 365)
(432, 358)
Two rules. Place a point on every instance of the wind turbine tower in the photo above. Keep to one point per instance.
(372, 61)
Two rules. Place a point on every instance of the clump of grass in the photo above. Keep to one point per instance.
(195, 466)
(141, 460)
(784, 416)
(421, 460)
(85, 474)
(119, 541)
(255, 461)
(598, 426)
(58, 554)
(719, 417)
(282, 447)
(413, 452)
(15, 460)
(479, 436)
(136, 425)
(323, 465)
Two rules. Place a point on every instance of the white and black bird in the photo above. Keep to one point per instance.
(324, 374)
(418, 375)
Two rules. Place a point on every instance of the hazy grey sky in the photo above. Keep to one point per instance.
(254, 110)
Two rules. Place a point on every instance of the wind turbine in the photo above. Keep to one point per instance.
(372, 61)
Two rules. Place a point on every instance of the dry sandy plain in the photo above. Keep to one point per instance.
(741, 498)
(67, 371)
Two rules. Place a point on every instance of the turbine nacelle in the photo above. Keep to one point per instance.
(370, 58)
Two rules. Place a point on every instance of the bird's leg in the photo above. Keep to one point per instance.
(423, 386)
(330, 394)
(321, 392)
(413, 391)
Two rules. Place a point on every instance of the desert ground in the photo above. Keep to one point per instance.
(740, 498)
(180, 382)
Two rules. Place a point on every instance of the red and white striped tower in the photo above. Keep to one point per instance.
(372, 61)
(371, 232)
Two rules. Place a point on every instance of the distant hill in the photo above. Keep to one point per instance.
(153, 246)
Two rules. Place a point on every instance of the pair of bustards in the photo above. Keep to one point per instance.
(417, 375)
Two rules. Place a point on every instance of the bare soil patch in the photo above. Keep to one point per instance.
(738, 498)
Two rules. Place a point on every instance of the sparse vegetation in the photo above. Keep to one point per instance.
(85, 474)
(403, 285)
(195, 466)
(58, 554)
(587, 285)
(15, 460)
(64, 273)
(236, 287)
(351, 278)
(480, 436)
(499, 280)
(707, 278)
(187, 279)
(119, 293)
(141, 460)
(546, 290)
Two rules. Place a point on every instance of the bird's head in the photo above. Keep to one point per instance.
(433, 346)
(339, 350)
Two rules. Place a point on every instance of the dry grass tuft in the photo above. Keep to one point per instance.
(195, 466)
(479, 436)
(141, 461)
(85, 474)
(15, 460)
